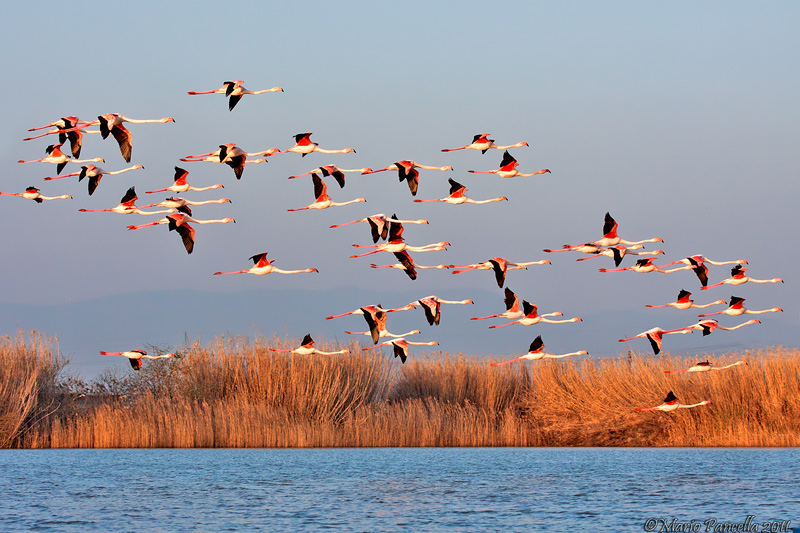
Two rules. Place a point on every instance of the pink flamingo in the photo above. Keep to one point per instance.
(127, 206)
(508, 169)
(57, 157)
(705, 366)
(738, 277)
(307, 348)
(499, 265)
(432, 305)
(371, 310)
(610, 237)
(396, 243)
(708, 325)
(536, 352)
(225, 152)
(457, 196)
(683, 302)
(68, 128)
(655, 336)
(736, 308)
(112, 123)
(483, 143)
(233, 156)
(262, 266)
(408, 265)
(177, 203)
(400, 347)
(379, 224)
(180, 222)
(377, 326)
(322, 200)
(671, 403)
(94, 173)
(235, 91)
(181, 185)
(303, 145)
(407, 170)
(32, 193)
(513, 310)
(531, 316)
(135, 357)
(334, 171)
(618, 252)
(642, 266)
(691, 260)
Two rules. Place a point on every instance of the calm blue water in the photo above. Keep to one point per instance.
(394, 489)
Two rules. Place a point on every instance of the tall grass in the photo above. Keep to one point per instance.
(236, 393)
(28, 371)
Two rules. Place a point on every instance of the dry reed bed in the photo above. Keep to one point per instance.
(237, 393)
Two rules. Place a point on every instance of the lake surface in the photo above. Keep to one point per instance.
(397, 489)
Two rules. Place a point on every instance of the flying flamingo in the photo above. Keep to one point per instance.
(689, 261)
(432, 305)
(180, 223)
(671, 403)
(655, 336)
(513, 310)
(407, 170)
(738, 277)
(68, 128)
(127, 206)
(57, 157)
(235, 90)
(396, 243)
(303, 145)
(642, 266)
(508, 169)
(262, 266)
(227, 150)
(408, 265)
(32, 193)
(323, 201)
(705, 366)
(499, 265)
(371, 309)
(400, 347)
(531, 317)
(536, 352)
(618, 252)
(112, 123)
(177, 203)
(307, 348)
(336, 172)
(457, 196)
(181, 185)
(379, 224)
(483, 143)
(233, 156)
(135, 357)
(94, 173)
(683, 302)
(736, 308)
(708, 325)
(377, 326)
(610, 238)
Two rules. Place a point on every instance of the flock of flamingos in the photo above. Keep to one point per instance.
(386, 233)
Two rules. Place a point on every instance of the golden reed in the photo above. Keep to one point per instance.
(236, 393)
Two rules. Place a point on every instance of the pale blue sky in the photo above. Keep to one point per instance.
(681, 119)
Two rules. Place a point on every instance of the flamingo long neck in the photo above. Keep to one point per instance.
(349, 202)
(737, 363)
(324, 151)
